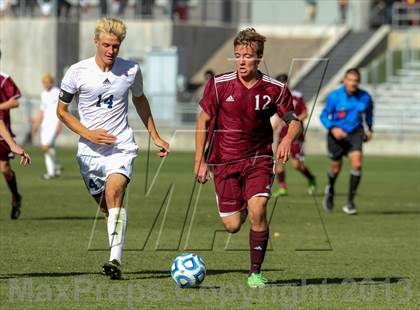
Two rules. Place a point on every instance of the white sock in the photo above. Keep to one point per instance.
(117, 226)
(49, 162)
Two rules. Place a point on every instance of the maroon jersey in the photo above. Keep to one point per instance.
(8, 90)
(300, 107)
(240, 117)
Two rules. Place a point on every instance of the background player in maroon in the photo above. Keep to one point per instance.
(297, 152)
(9, 93)
(235, 123)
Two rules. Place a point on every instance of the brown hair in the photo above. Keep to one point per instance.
(354, 71)
(249, 36)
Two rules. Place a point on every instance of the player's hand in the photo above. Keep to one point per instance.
(25, 159)
(368, 136)
(283, 150)
(101, 136)
(338, 133)
(164, 147)
(201, 172)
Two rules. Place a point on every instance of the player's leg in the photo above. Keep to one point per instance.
(258, 178)
(336, 150)
(101, 201)
(355, 142)
(333, 172)
(281, 178)
(118, 170)
(355, 158)
(258, 239)
(49, 162)
(115, 187)
(228, 189)
(232, 222)
(10, 178)
(48, 137)
(300, 166)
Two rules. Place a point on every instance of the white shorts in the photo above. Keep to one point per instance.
(48, 136)
(96, 169)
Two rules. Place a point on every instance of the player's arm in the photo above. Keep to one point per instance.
(9, 104)
(302, 116)
(201, 130)
(97, 136)
(293, 132)
(36, 123)
(208, 104)
(12, 92)
(143, 110)
(326, 115)
(4, 132)
(278, 123)
(288, 115)
(300, 109)
(369, 121)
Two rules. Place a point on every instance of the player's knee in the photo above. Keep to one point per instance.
(296, 164)
(232, 227)
(5, 168)
(45, 148)
(335, 168)
(257, 217)
(112, 192)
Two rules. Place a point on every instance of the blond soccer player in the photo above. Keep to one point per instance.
(49, 125)
(107, 149)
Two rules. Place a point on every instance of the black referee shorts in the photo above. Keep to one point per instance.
(339, 148)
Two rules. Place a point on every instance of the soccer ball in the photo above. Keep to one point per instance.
(188, 270)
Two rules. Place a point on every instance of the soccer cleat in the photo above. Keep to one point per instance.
(47, 176)
(350, 208)
(112, 269)
(256, 280)
(328, 199)
(312, 186)
(58, 170)
(16, 204)
(282, 191)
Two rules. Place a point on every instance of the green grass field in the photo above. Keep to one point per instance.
(51, 256)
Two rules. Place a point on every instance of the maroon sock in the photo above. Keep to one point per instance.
(281, 177)
(11, 182)
(258, 244)
(305, 171)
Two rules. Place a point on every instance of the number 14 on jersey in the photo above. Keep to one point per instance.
(108, 101)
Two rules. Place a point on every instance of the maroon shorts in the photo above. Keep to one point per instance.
(236, 183)
(5, 151)
(297, 151)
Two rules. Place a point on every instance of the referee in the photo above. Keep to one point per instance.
(347, 109)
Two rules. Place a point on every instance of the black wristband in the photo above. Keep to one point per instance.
(289, 116)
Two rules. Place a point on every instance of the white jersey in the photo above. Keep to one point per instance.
(103, 101)
(49, 99)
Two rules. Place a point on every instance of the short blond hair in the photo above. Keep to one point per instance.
(111, 25)
(47, 77)
(249, 36)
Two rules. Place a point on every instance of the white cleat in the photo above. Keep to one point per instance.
(350, 208)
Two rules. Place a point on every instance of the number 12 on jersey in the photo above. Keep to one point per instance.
(108, 101)
(266, 99)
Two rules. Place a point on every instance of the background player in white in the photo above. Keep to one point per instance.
(107, 148)
(50, 126)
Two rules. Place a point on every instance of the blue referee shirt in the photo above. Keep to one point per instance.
(346, 111)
